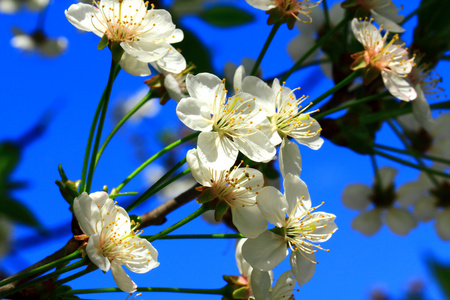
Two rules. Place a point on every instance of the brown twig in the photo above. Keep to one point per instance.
(158, 215)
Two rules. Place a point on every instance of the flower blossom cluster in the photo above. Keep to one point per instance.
(254, 120)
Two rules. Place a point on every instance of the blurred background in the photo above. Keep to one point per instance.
(47, 107)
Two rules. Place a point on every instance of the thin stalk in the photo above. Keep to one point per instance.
(407, 163)
(313, 48)
(327, 15)
(197, 236)
(119, 125)
(41, 269)
(337, 87)
(91, 134)
(409, 152)
(350, 104)
(159, 185)
(265, 47)
(423, 4)
(156, 156)
(100, 126)
(406, 144)
(220, 291)
(186, 220)
(309, 64)
(377, 173)
(71, 267)
(76, 275)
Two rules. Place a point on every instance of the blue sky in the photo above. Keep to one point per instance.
(70, 87)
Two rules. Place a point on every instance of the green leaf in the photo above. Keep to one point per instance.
(9, 157)
(19, 213)
(442, 273)
(221, 209)
(103, 42)
(194, 51)
(226, 16)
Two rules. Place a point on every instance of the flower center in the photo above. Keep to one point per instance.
(232, 117)
(120, 22)
(233, 186)
(289, 118)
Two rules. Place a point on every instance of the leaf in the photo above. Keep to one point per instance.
(226, 16)
(19, 213)
(103, 42)
(9, 157)
(194, 51)
(442, 273)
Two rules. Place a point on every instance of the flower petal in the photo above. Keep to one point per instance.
(400, 221)
(260, 283)
(195, 113)
(122, 279)
(289, 158)
(95, 253)
(368, 223)
(216, 152)
(443, 225)
(296, 190)
(172, 62)
(356, 196)
(272, 205)
(398, 86)
(249, 220)
(266, 251)
(80, 15)
(87, 213)
(303, 266)
(284, 286)
(133, 66)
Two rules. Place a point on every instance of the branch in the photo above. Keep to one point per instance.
(158, 215)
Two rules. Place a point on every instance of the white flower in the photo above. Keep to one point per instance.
(388, 59)
(286, 10)
(287, 119)
(431, 200)
(150, 109)
(382, 196)
(296, 228)
(227, 125)
(12, 6)
(385, 13)
(112, 241)
(39, 42)
(310, 32)
(282, 290)
(145, 35)
(236, 189)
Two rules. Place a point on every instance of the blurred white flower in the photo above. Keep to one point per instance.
(287, 11)
(383, 197)
(112, 240)
(38, 41)
(297, 228)
(235, 189)
(227, 124)
(144, 35)
(150, 109)
(431, 200)
(389, 59)
(384, 12)
(12, 6)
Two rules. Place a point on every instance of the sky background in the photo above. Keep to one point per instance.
(70, 86)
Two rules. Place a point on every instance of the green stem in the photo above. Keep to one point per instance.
(377, 173)
(412, 152)
(337, 87)
(100, 126)
(309, 64)
(41, 269)
(88, 270)
(92, 130)
(265, 47)
(119, 125)
(423, 4)
(407, 163)
(350, 104)
(186, 220)
(327, 15)
(220, 291)
(313, 48)
(156, 156)
(71, 267)
(159, 185)
(198, 236)
(409, 148)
